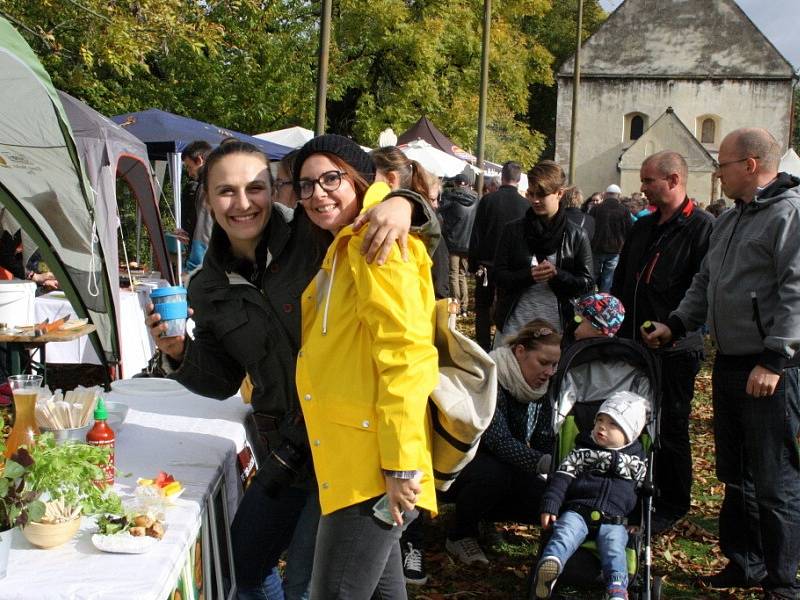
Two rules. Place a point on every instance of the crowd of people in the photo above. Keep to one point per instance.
(317, 289)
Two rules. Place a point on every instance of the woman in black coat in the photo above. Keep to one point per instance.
(543, 260)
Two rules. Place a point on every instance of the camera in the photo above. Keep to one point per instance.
(281, 467)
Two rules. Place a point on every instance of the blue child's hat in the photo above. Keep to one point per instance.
(604, 311)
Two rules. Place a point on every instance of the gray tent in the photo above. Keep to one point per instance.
(43, 187)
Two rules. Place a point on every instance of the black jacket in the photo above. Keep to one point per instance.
(494, 212)
(512, 269)
(656, 267)
(612, 221)
(585, 220)
(440, 270)
(457, 208)
(608, 493)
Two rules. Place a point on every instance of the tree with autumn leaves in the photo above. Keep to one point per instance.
(250, 65)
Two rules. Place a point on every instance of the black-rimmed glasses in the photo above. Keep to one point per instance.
(329, 181)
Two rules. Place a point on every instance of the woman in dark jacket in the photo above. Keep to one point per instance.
(246, 303)
(502, 482)
(543, 260)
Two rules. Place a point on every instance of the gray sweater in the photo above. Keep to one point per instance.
(748, 286)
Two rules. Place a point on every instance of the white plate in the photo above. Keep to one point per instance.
(9, 331)
(74, 324)
(123, 543)
(147, 386)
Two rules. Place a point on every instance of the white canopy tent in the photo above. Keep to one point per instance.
(292, 137)
(790, 163)
(434, 160)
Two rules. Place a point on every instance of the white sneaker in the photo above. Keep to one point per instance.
(467, 550)
(547, 573)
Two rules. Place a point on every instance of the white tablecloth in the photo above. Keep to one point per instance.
(136, 344)
(195, 439)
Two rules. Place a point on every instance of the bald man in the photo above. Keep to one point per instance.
(661, 254)
(748, 290)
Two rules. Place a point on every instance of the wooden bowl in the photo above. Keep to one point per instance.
(50, 535)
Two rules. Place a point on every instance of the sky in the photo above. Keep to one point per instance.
(771, 17)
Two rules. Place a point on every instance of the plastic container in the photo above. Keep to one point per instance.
(102, 435)
(16, 302)
(170, 303)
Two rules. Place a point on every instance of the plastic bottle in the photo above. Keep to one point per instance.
(648, 327)
(102, 435)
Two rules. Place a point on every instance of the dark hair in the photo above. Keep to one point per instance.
(413, 175)
(511, 172)
(534, 334)
(546, 178)
(229, 147)
(196, 149)
(287, 162)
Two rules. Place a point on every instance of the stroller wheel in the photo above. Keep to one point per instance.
(655, 588)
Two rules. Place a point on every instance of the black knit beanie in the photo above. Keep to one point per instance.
(340, 146)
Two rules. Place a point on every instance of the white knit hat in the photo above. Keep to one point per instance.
(613, 189)
(628, 410)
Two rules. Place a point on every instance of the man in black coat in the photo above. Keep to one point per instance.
(494, 212)
(612, 221)
(661, 255)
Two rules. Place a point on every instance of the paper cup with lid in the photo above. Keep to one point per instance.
(171, 304)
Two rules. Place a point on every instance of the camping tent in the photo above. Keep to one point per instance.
(424, 129)
(108, 152)
(790, 163)
(43, 187)
(166, 135)
(293, 137)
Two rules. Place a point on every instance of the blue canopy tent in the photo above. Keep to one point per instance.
(166, 135)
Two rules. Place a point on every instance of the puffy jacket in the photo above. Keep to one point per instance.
(512, 269)
(612, 221)
(591, 490)
(656, 267)
(458, 212)
(748, 286)
(365, 370)
(494, 212)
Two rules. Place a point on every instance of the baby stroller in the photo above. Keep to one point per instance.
(578, 390)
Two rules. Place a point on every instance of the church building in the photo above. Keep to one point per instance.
(670, 75)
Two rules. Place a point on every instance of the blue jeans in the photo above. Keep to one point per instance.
(757, 460)
(262, 530)
(570, 531)
(604, 266)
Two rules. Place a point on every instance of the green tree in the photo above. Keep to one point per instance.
(556, 32)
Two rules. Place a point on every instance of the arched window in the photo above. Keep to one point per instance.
(708, 131)
(637, 127)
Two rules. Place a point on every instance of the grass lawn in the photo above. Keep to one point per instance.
(679, 556)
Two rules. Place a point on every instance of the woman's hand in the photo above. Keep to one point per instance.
(389, 222)
(543, 272)
(402, 494)
(548, 519)
(171, 346)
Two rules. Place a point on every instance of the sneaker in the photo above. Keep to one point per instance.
(467, 550)
(546, 576)
(616, 591)
(414, 565)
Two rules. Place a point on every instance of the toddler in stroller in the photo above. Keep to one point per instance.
(601, 490)
(596, 487)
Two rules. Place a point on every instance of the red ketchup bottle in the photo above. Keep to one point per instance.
(102, 435)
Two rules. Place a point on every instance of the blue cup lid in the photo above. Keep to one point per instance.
(168, 291)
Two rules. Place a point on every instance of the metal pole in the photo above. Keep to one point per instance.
(576, 81)
(322, 71)
(487, 21)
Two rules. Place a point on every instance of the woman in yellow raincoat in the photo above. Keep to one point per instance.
(364, 373)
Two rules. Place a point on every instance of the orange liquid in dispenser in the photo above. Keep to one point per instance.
(25, 429)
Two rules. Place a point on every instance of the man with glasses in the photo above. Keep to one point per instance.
(661, 254)
(748, 289)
